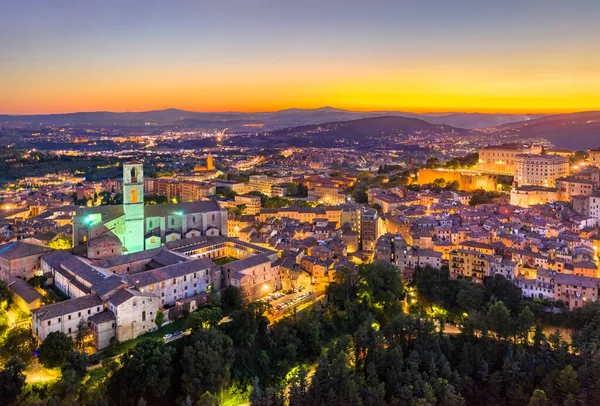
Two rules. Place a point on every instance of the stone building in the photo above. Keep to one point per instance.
(141, 227)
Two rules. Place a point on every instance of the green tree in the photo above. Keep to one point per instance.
(206, 362)
(568, 382)
(146, 371)
(204, 318)
(82, 332)
(292, 189)
(55, 349)
(381, 288)
(60, 243)
(12, 380)
(538, 398)
(159, 319)
(232, 299)
(524, 323)
(4, 293)
(21, 343)
(499, 319)
(78, 362)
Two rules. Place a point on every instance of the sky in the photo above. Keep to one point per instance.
(253, 55)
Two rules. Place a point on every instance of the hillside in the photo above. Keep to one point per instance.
(573, 131)
(367, 133)
(236, 120)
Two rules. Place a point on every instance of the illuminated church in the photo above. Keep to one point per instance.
(210, 165)
(106, 231)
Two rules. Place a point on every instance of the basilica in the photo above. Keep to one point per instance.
(106, 231)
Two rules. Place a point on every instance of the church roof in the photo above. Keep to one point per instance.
(163, 210)
(171, 271)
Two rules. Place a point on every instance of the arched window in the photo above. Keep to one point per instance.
(172, 221)
(133, 198)
(193, 219)
(213, 217)
(150, 224)
(134, 175)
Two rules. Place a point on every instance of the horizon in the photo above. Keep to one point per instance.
(423, 112)
(533, 57)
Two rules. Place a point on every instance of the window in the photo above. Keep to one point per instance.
(79, 314)
(59, 319)
(144, 316)
(133, 196)
(150, 224)
(174, 281)
(49, 322)
(172, 221)
(193, 219)
(69, 331)
(69, 317)
(184, 278)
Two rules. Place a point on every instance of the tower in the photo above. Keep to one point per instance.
(210, 166)
(133, 206)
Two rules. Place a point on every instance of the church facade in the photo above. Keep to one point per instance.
(133, 227)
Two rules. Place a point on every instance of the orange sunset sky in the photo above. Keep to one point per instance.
(539, 56)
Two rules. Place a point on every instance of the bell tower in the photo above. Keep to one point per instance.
(210, 165)
(133, 206)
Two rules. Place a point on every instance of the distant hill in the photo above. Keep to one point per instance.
(236, 120)
(478, 120)
(573, 131)
(373, 132)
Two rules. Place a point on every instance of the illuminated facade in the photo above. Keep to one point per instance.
(539, 170)
(500, 159)
(141, 227)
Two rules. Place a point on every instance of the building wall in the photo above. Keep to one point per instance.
(466, 180)
(540, 170)
(171, 290)
(530, 197)
(501, 159)
(67, 323)
(135, 317)
(25, 267)
(103, 333)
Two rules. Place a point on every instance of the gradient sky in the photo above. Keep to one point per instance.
(253, 55)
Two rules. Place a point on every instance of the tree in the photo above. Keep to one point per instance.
(159, 319)
(567, 381)
(204, 318)
(499, 319)
(524, 323)
(82, 332)
(381, 288)
(481, 196)
(206, 362)
(60, 243)
(21, 343)
(4, 294)
(292, 189)
(232, 299)
(538, 398)
(55, 349)
(12, 380)
(78, 362)
(146, 371)
(359, 193)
